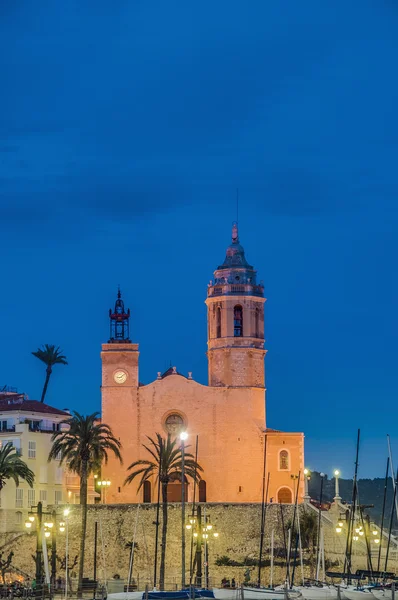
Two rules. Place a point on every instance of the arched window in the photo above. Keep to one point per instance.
(284, 460)
(218, 322)
(285, 496)
(257, 324)
(238, 321)
(147, 491)
(202, 490)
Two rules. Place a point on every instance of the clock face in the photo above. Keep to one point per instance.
(120, 376)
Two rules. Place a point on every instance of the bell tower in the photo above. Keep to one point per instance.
(235, 316)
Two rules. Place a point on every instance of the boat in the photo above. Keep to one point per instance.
(355, 593)
(318, 592)
(381, 593)
(159, 595)
(252, 593)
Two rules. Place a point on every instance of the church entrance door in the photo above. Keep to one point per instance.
(174, 490)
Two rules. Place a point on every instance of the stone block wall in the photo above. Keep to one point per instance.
(238, 526)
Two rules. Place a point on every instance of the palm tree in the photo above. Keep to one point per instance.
(51, 356)
(166, 465)
(12, 467)
(85, 444)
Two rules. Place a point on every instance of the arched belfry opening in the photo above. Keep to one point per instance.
(238, 321)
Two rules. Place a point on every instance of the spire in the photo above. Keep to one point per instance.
(119, 321)
(235, 233)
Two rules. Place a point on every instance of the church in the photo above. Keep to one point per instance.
(227, 416)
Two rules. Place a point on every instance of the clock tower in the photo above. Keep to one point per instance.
(119, 388)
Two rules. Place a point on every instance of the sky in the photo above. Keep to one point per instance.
(126, 128)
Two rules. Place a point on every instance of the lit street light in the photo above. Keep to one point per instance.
(307, 477)
(104, 484)
(337, 497)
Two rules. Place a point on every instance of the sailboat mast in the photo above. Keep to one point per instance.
(319, 529)
(383, 512)
(391, 522)
(293, 526)
(347, 563)
(272, 560)
(263, 499)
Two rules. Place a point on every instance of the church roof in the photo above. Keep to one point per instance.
(171, 371)
(235, 256)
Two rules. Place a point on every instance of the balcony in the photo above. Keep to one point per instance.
(237, 289)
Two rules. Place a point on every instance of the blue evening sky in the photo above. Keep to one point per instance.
(125, 129)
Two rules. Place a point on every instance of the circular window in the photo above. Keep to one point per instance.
(174, 424)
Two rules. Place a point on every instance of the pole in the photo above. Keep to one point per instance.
(336, 487)
(66, 556)
(294, 523)
(39, 550)
(155, 568)
(391, 522)
(262, 513)
(54, 549)
(347, 561)
(319, 530)
(191, 567)
(182, 514)
(392, 474)
(199, 573)
(382, 513)
(272, 560)
(95, 549)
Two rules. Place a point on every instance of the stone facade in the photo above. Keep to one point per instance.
(227, 416)
(238, 526)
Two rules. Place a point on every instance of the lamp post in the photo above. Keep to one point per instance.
(183, 437)
(64, 526)
(104, 484)
(307, 477)
(48, 529)
(337, 496)
(202, 532)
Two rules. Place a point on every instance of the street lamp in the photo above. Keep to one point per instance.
(202, 533)
(336, 474)
(307, 477)
(183, 437)
(47, 528)
(104, 484)
(64, 526)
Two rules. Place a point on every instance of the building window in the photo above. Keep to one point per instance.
(32, 450)
(238, 321)
(174, 424)
(285, 496)
(218, 322)
(31, 497)
(284, 460)
(58, 497)
(18, 498)
(43, 496)
(147, 491)
(202, 490)
(4, 425)
(18, 517)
